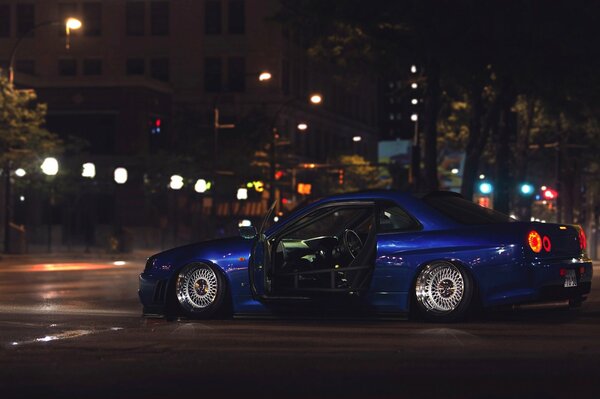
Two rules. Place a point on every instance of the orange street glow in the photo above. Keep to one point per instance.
(61, 267)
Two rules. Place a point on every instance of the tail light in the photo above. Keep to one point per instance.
(546, 244)
(582, 239)
(535, 241)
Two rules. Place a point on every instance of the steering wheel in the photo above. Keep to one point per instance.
(352, 242)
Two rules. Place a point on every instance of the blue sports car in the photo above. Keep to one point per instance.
(380, 253)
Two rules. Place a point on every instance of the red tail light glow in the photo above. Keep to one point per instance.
(535, 241)
(562, 272)
(582, 239)
(546, 244)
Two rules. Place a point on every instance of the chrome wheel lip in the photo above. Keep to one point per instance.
(440, 287)
(197, 287)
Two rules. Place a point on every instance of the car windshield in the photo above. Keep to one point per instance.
(465, 212)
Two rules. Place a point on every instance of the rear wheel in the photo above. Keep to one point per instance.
(443, 292)
(200, 290)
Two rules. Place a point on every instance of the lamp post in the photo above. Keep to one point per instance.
(315, 99)
(70, 24)
(176, 183)
(263, 77)
(50, 168)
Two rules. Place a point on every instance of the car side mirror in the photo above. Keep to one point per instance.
(248, 232)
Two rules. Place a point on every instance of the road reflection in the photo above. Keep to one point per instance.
(63, 267)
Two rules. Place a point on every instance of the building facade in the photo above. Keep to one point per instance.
(136, 71)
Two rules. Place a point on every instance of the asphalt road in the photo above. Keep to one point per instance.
(72, 328)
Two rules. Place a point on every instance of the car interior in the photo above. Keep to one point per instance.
(329, 250)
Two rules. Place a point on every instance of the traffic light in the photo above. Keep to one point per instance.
(304, 188)
(549, 194)
(526, 189)
(155, 126)
(341, 177)
(486, 188)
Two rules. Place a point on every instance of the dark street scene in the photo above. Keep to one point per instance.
(299, 198)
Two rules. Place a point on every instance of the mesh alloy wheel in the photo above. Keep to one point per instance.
(199, 290)
(443, 291)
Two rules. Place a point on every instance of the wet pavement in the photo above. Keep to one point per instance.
(71, 327)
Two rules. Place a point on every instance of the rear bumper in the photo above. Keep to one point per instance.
(558, 292)
(549, 283)
(153, 294)
(541, 281)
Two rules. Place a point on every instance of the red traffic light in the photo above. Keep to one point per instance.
(550, 194)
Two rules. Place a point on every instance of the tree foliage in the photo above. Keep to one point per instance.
(23, 138)
(499, 77)
(350, 173)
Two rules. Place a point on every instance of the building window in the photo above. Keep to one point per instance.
(159, 69)
(212, 74)
(237, 17)
(4, 20)
(135, 66)
(159, 18)
(212, 17)
(67, 67)
(134, 15)
(236, 74)
(92, 19)
(65, 11)
(25, 66)
(92, 66)
(25, 19)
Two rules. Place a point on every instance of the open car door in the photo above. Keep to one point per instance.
(258, 261)
(330, 250)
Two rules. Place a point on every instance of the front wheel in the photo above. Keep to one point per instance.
(443, 292)
(200, 290)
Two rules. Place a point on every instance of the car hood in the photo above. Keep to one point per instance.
(226, 253)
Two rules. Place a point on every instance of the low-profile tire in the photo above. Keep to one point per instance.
(443, 292)
(200, 291)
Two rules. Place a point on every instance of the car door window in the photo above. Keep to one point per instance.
(394, 218)
(330, 223)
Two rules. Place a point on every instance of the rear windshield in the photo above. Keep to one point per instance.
(465, 212)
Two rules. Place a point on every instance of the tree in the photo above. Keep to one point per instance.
(350, 173)
(23, 139)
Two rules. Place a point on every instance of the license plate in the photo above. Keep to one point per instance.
(570, 279)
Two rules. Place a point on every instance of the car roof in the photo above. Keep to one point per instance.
(429, 218)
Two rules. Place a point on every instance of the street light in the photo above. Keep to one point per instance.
(356, 139)
(20, 172)
(70, 24)
(201, 186)
(88, 170)
(176, 182)
(302, 126)
(316, 98)
(50, 168)
(120, 175)
(264, 76)
(242, 194)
